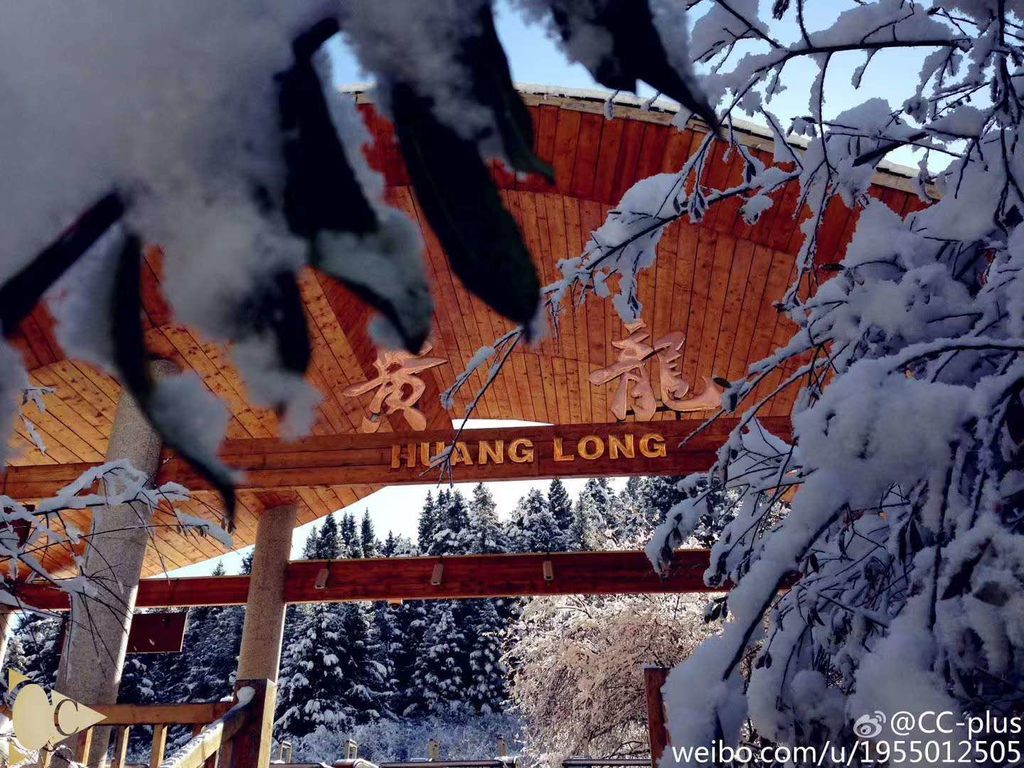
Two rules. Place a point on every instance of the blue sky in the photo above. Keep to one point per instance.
(535, 59)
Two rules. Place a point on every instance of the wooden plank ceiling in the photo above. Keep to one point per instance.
(716, 282)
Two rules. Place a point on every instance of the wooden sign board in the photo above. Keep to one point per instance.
(479, 455)
(157, 632)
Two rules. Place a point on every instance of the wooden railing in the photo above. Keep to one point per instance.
(224, 734)
(121, 718)
(239, 738)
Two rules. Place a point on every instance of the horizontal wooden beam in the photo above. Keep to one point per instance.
(478, 576)
(425, 578)
(507, 453)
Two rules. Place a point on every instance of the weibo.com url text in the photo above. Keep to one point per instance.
(861, 753)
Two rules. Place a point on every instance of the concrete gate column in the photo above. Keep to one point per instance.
(92, 659)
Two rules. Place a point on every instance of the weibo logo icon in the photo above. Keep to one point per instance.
(41, 720)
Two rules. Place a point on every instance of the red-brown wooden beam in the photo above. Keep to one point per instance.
(482, 455)
(413, 578)
(657, 731)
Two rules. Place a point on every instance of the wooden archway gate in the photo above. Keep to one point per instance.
(480, 455)
(425, 578)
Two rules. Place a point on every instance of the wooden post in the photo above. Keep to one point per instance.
(252, 746)
(121, 748)
(83, 746)
(159, 746)
(260, 654)
(263, 629)
(657, 731)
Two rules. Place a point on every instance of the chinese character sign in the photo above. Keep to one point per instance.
(635, 392)
(398, 388)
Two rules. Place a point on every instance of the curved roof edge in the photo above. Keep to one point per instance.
(663, 112)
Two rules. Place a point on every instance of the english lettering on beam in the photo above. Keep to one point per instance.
(618, 447)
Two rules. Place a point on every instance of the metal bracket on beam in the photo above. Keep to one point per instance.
(549, 571)
(321, 579)
(437, 575)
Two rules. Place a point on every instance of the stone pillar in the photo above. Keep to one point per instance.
(92, 659)
(263, 630)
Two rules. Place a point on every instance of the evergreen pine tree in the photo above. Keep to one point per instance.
(561, 510)
(365, 692)
(536, 528)
(388, 640)
(440, 668)
(410, 620)
(427, 523)
(486, 683)
(367, 537)
(317, 694)
(632, 508)
(594, 515)
(330, 539)
(310, 685)
(15, 659)
(39, 637)
(451, 532)
(209, 653)
(486, 534)
(397, 545)
(350, 545)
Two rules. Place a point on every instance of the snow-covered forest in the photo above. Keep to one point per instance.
(874, 554)
(393, 676)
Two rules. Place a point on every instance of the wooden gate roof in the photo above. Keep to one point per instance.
(716, 282)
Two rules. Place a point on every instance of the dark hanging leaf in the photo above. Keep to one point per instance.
(492, 87)
(914, 538)
(480, 238)
(637, 52)
(275, 307)
(779, 8)
(321, 190)
(992, 593)
(21, 293)
(714, 610)
(1015, 415)
(722, 382)
(133, 370)
(960, 582)
(883, 149)
(322, 193)
(129, 338)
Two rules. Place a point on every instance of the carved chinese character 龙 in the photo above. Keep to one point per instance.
(635, 392)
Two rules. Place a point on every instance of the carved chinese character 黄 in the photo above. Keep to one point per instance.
(398, 387)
